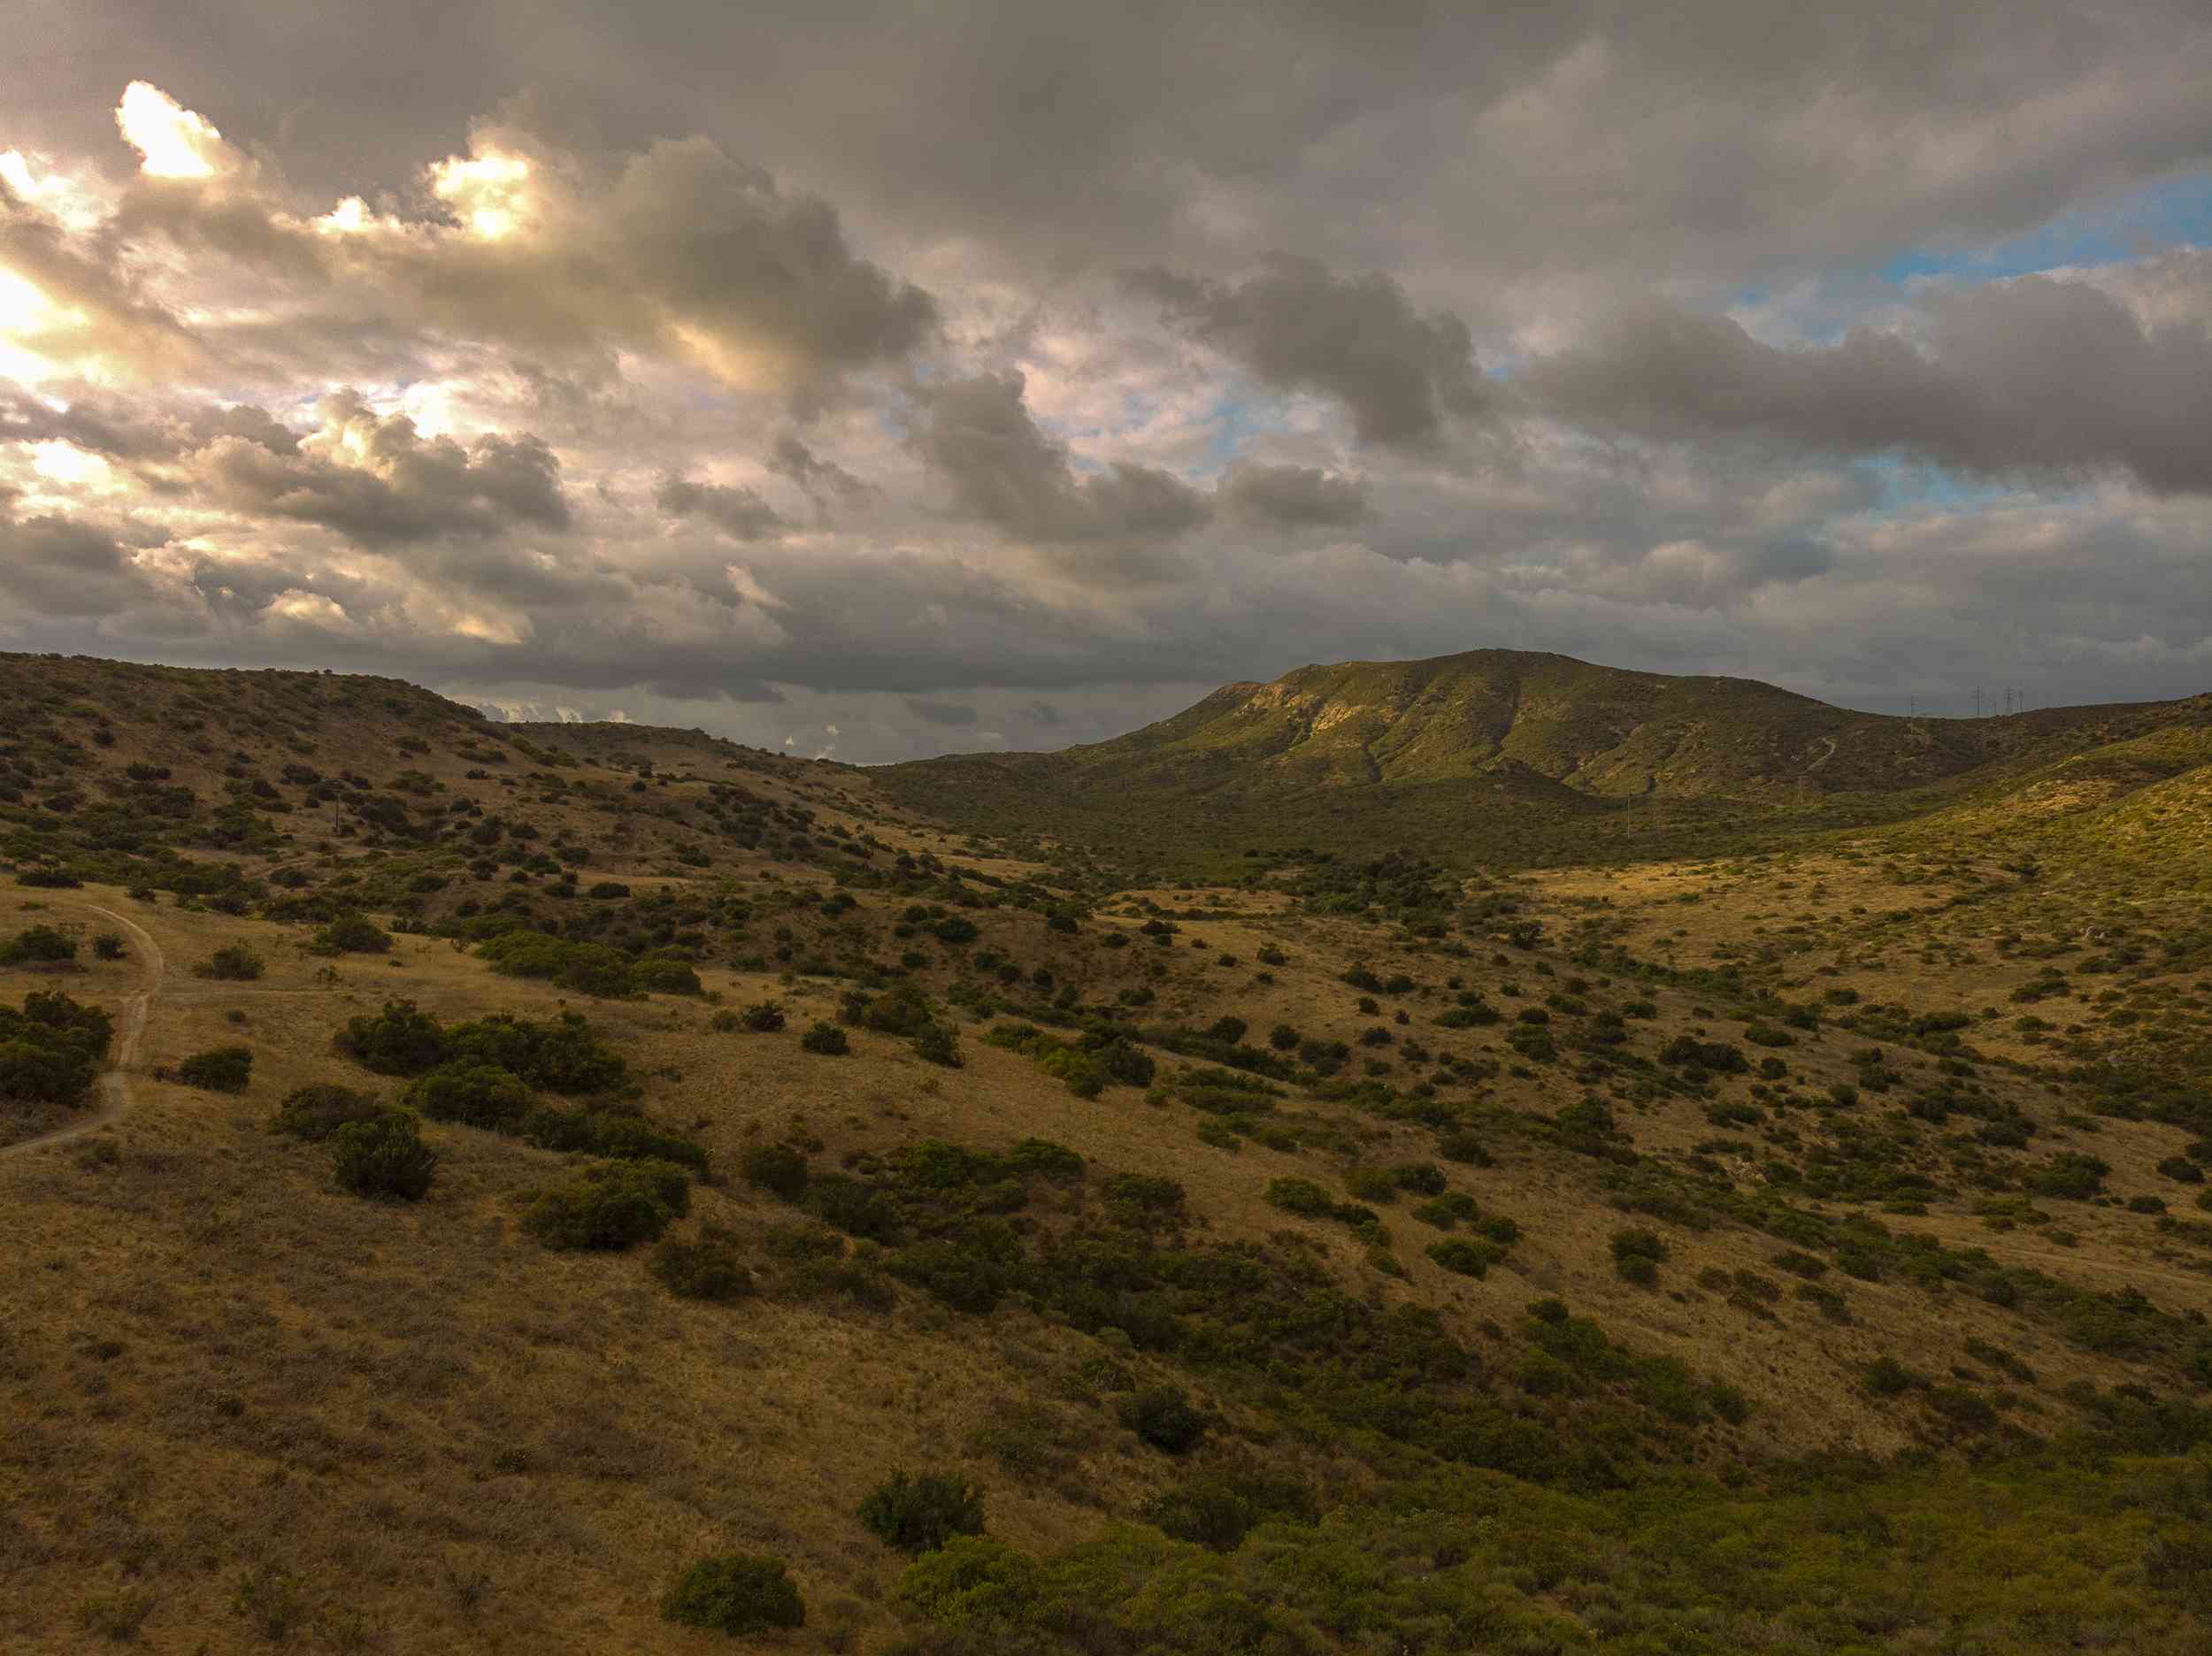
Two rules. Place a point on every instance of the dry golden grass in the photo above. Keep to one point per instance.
(215, 1364)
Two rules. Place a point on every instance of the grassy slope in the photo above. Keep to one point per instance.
(225, 1370)
(1502, 756)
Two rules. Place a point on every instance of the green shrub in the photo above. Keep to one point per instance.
(400, 1040)
(2068, 1178)
(614, 1205)
(1637, 1256)
(1375, 1185)
(1163, 1417)
(384, 1156)
(937, 1044)
(563, 1055)
(234, 962)
(1885, 1377)
(617, 1134)
(919, 1514)
(828, 1039)
(780, 1169)
(736, 1593)
(1300, 1196)
(352, 934)
(1218, 1509)
(473, 1094)
(973, 1582)
(219, 1070)
(316, 1111)
(50, 1050)
(109, 945)
(39, 945)
(764, 1019)
(2182, 1170)
(1464, 1257)
(663, 974)
(709, 1268)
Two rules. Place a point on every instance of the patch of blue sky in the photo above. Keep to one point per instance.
(1911, 485)
(2174, 212)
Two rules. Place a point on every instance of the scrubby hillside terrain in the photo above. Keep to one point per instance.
(1503, 755)
(494, 1187)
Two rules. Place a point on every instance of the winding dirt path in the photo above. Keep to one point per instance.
(114, 1083)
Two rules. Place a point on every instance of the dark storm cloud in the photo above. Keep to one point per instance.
(949, 715)
(1295, 327)
(1293, 497)
(739, 513)
(866, 260)
(403, 488)
(824, 481)
(60, 568)
(978, 435)
(2021, 375)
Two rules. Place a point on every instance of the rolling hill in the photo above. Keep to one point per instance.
(1502, 755)
(512, 1187)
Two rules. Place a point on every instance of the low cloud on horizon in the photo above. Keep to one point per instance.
(1013, 379)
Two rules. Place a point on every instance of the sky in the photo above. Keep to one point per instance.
(874, 381)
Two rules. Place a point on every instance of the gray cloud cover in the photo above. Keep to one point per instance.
(767, 368)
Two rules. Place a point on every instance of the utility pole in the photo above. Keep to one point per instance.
(1978, 700)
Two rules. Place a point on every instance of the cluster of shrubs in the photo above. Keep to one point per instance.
(51, 1049)
(352, 934)
(1637, 1254)
(234, 962)
(39, 945)
(376, 1150)
(904, 1010)
(218, 1069)
(592, 969)
(1096, 1061)
(483, 1075)
(561, 1055)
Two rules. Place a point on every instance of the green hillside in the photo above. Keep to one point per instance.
(1511, 757)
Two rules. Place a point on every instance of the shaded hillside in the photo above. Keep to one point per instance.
(1504, 755)
(537, 1163)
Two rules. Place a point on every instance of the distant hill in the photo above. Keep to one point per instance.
(1481, 753)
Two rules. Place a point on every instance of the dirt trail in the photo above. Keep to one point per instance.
(114, 1083)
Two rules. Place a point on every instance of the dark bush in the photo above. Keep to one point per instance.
(828, 1039)
(780, 1169)
(384, 1156)
(352, 934)
(1218, 1509)
(709, 1268)
(316, 1111)
(564, 1055)
(937, 1044)
(234, 962)
(400, 1040)
(764, 1019)
(919, 1514)
(736, 1593)
(38, 946)
(616, 1134)
(50, 1050)
(662, 974)
(1163, 1417)
(2183, 1169)
(2068, 1178)
(473, 1094)
(1466, 1258)
(614, 1205)
(219, 1070)
(109, 945)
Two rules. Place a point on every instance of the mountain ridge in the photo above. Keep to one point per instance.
(1533, 731)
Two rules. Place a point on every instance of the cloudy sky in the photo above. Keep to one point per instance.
(882, 381)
